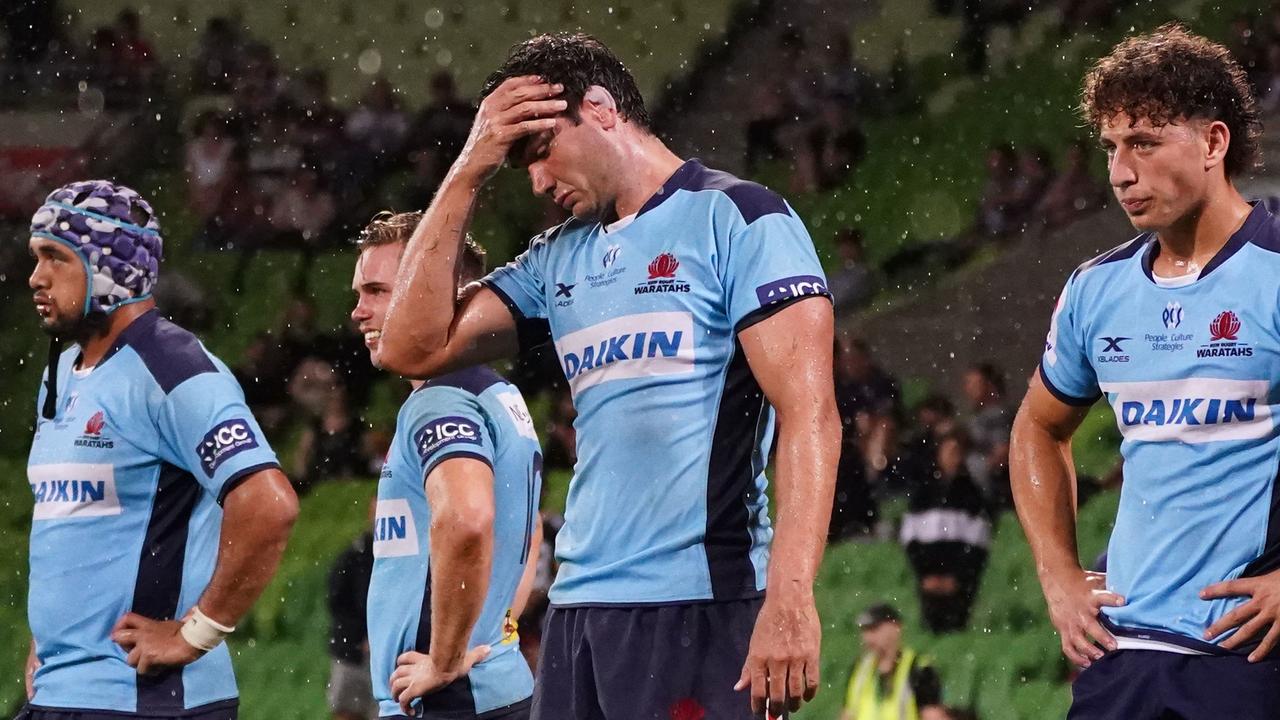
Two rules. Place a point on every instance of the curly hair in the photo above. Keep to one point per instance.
(1171, 75)
(388, 227)
(577, 61)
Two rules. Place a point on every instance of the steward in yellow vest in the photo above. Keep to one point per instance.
(889, 682)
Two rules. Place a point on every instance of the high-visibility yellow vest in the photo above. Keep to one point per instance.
(863, 701)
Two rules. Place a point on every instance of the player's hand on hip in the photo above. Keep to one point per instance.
(782, 661)
(33, 663)
(1075, 599)
(153, 645)
(519, 107)
(1260, 614)
(416, 675)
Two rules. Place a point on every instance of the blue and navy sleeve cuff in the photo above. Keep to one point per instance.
(238, 477)
(1065, 397)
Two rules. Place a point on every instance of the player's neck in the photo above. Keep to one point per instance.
(649, 164)
(1200, 235)
(95, 347)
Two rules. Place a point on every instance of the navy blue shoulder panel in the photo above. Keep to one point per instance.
(170, 353)
(1118, 253)
(1266, 234)
(753, 200)
(474, 380)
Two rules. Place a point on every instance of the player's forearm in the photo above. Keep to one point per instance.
(461, 557)
(424, 300)
(1043, 483)
(808, 452)
(257, 518)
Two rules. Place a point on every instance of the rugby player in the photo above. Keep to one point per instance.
(691, 319)
(160, 510)
(455, 523)
(1179, 329)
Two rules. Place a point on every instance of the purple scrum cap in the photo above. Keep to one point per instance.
(115, 233)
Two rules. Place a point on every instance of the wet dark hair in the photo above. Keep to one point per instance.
(389, 227)
(1171, 75)
(576, 61)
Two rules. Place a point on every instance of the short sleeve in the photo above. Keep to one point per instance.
(1065, 367)
(445, 423)
(208, 430)
(770, 263)
(521, 283)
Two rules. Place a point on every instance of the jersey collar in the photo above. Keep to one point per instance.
(681, 178)
(1253, 223)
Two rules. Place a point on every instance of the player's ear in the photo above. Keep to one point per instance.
(599, 104)
(1217, 138)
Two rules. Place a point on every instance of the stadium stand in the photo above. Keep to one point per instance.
(397, 38)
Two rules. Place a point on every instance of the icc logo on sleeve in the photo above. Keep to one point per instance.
(225, 440)
(446, 431)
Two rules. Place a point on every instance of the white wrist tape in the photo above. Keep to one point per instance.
(202, 632)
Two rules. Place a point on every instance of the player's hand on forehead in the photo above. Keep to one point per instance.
(522, 89)
(517, 108)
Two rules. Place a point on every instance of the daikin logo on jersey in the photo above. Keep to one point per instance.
(631, 346)
(394, 534)
(1191, 410)
(68, 490)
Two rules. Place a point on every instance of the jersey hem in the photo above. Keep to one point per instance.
(463, 715)
(188, 712)
(656, 603)
(1153, 639)
(1064, 396)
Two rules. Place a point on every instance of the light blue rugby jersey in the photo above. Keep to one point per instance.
(1193, 375)
(472, 413)
(128, 480)
(667, 502)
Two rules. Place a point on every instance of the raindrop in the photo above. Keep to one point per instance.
(434, 18)
(444, 57)
(370, 61)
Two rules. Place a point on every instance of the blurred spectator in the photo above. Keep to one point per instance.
(379, 125)
(330, 443)
(998, 195)
(989, 429)
(916, 456)
(891, 681)
(868, 399)
(1033, 176)
(781, 99)
(207, 164)
(350, 692)
(851, 283)
(320, 122)
(303, 210)
(438, 133)
(238, 212)
(217, 54)
(946, 532)
(1073, 192)
(263, 373)
(134, 51)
